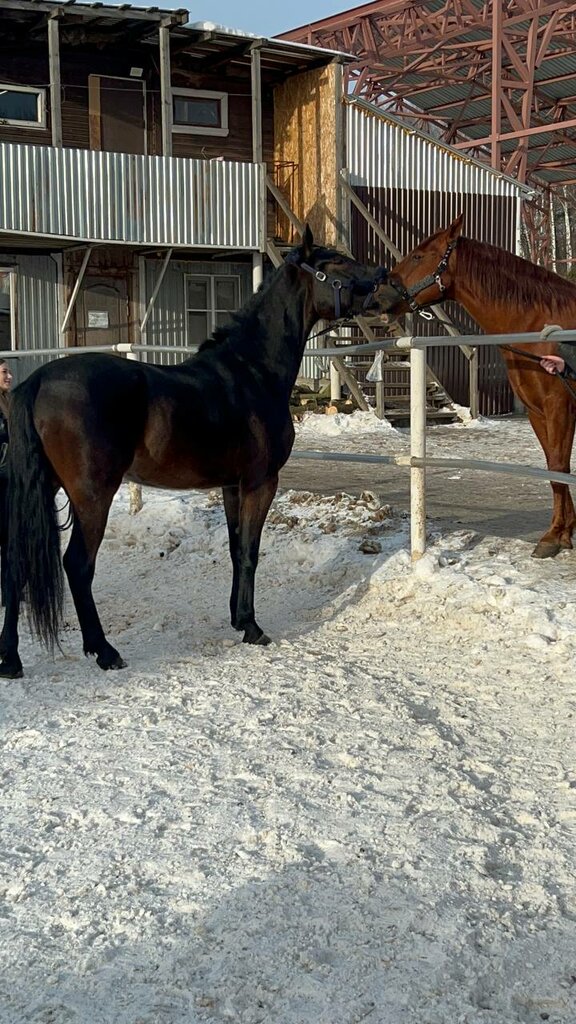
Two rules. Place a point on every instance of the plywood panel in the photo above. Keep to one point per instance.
(305, 151)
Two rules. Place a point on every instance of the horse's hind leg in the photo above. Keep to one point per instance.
(555, 432)
(248, 511)
(11, 665)
(80, 564)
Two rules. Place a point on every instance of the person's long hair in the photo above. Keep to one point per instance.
(4, 397)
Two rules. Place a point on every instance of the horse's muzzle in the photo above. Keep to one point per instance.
(385, 296)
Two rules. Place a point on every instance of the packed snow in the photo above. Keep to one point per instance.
(372, 819)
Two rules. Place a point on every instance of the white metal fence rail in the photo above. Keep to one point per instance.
(417, 460)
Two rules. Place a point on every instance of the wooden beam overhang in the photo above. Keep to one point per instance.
(179, 16)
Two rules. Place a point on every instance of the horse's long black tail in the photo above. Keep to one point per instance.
(34, 558)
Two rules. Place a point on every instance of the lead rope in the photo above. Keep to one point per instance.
(546, 331)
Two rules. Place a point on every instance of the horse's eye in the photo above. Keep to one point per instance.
(416, 257)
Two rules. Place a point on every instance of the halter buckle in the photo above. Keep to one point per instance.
(320, 275)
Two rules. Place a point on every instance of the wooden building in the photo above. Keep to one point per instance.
(150, 167)
(140, 159)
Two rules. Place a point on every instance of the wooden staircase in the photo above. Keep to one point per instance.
(391, 396)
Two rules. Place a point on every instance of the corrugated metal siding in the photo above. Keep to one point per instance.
(138, 200)
(407, 217)
(36, 308)
(386, 154)
(412, 187)
(167, 323)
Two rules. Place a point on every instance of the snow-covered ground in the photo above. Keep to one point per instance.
(372, 819)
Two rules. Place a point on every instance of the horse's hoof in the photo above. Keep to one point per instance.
(11, 670)
(110, 664)
(546, 549)
(118, 663)
(252, 637)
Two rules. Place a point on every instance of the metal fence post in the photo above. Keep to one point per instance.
(417, 450)
(474, 393)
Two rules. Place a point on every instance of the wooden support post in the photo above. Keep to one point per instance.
(351, 383)
(257, 137)
(342, 226)
(165, 88)
(150, 305)
(255, 77)
(380, 403)
(75, 290)
(54, 74)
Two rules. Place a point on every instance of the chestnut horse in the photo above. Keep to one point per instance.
(219, 419)
(505, 295)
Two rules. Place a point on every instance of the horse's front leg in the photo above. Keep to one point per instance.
(253, 506)
(231, 497)
(555, 431)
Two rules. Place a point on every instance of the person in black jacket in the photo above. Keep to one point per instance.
(5, 385)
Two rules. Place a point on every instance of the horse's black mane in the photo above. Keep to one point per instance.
(504, 277)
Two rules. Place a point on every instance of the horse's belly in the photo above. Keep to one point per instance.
(183, 474)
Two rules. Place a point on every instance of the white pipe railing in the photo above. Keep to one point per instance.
(417, 460)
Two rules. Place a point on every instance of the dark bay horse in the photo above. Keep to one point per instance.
(219, 419)
(506, 295)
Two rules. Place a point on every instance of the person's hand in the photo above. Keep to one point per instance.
(553, 364)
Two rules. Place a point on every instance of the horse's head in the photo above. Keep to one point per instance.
(338, 285)
(425, 275)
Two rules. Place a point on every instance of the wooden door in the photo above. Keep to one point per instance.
(102, 312)
(117, 114)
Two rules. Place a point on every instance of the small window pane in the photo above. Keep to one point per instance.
(198, 293)
(201, 111)
(222, 319)
(227, 293)
(198, 329)
(18, 106)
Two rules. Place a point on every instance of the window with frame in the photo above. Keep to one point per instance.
(22, 106)
(7, 308)
(210, 301)
(199, 112)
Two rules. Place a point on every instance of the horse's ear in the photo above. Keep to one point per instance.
(307, 242)
(455, 230)
(302, 252)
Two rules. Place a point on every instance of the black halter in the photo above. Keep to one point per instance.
(408, 294)
(364, 286)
